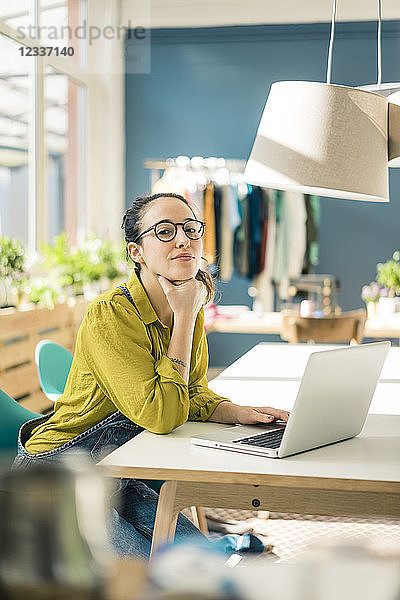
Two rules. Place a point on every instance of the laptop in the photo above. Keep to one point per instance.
(332, 404)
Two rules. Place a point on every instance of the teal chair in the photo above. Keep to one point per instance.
(13, 415)
(53, 364)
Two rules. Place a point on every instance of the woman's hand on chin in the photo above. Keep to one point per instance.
(187, 298)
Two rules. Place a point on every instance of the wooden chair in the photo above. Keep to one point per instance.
(345, 327)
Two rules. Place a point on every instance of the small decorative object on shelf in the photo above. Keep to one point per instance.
(306, 308)
(388, 274)
(371, 295)
(383, 295)
(321, 289)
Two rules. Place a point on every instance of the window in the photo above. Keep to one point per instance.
(64, 110)
(62, 24)
(42, 123)
(15, 117)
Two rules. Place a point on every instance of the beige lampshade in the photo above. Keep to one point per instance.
(322, 139)
(394, 129)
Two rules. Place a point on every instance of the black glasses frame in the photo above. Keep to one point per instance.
(153, 228)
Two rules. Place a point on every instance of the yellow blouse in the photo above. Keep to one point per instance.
(120, 363)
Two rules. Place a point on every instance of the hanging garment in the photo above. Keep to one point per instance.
(254, 230)
(242, 234)
(170, 182)
(297, 215)
(263, 282)
(195, 197)
(230, 220)
(264, 216)
(218, 226)
(311, 256)
(209, 245)
(262, 227)
(281, 236)
(290, 241)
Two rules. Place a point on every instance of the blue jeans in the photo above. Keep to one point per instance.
(133, 503)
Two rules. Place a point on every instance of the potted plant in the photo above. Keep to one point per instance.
(388, 276)
(73, 267)
(43, 291)
(88, 269)
(12, 271)
(113, 260)
(371, 295)
(107, 257)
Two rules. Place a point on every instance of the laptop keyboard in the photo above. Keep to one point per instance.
(270, 439)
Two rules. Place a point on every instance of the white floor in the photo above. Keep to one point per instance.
(292, 535)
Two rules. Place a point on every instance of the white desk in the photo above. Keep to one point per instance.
(270, 323)
(358, 477)
(287, 361)
(270, 374)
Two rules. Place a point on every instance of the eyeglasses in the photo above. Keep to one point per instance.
(165, 231)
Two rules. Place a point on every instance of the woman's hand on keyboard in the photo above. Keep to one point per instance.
(228, 412)
(251, 415)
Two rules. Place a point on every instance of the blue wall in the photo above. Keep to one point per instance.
(205, 95)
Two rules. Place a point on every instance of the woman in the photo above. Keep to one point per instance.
(140, 362)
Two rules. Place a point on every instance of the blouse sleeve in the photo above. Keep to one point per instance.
(151, 393)
(203, 401)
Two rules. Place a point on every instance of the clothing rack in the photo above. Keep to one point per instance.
(195, 163)
(267, 236)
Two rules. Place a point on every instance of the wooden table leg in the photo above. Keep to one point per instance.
(166, 516)
(199, 518)
(175, 496)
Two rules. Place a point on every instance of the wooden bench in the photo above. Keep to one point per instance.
(20, 331)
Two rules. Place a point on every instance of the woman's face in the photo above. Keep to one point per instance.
(162, 257)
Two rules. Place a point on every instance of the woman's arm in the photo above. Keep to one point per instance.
(180, 345)
(206, 405)
(228, 412)
(118, 351)
(185, 300)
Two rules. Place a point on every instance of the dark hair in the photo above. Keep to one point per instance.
(131, 223)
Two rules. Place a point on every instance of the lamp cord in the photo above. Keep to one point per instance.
(332, 36)
(379, 36)
(379, 40)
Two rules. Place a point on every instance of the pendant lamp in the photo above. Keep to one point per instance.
(394, 129)
(323, 139)
(392, 93)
